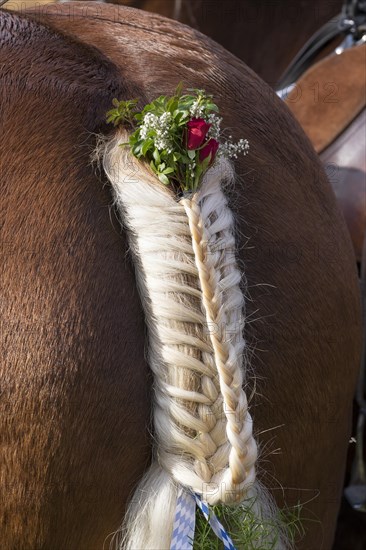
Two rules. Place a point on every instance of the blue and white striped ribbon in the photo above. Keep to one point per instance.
(185, 521)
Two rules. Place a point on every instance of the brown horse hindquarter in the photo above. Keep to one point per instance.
(75, 378)
(74, 406)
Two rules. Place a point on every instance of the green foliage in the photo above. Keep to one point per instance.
(123, 112)
(247, 531)
(161, 140)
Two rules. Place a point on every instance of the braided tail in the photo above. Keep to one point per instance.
(189, 284)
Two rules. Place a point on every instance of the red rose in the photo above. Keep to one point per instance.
(197, 132)
(210, 148)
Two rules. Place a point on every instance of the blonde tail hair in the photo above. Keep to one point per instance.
(189, 284)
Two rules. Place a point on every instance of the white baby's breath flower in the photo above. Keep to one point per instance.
(215, 129)
(196, 110)
(192, 168)
(159, 126)
(149, 123)
(231, 150)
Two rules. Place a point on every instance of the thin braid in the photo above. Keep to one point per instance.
(243, 452)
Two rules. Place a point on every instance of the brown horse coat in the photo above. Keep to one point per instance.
(245, 28)
(75, 399)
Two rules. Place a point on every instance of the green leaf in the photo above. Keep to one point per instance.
(146, 146)
(185, 160)
(212, 107)
(178, 91)
(163, 179)
(137, 150)
(205, 163)
(156, 156)
(153, 167)
(172, 105)
(192, 154)
(180, 117)
(184, 114)
(133, 139)
(161, 166)
(168, 170)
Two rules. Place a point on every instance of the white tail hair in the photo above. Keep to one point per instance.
(189, 284)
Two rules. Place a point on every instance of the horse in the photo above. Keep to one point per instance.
(76, 389)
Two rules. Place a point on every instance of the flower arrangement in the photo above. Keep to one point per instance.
(179, 136)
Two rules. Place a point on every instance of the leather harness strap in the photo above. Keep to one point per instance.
(351, 22)
(329, 96)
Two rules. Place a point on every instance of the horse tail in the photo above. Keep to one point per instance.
(190, 287)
